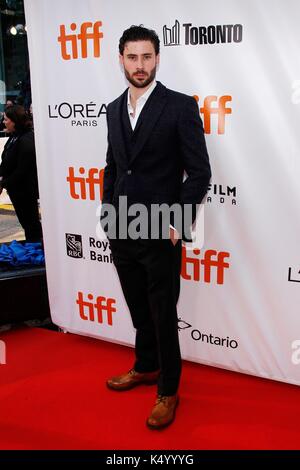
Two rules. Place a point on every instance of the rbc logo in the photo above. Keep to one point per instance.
(74, 245)
(95, 35)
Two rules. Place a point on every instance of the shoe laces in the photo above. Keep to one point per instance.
(132, 372)
(161, 399)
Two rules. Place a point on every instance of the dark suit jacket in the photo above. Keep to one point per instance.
(170, 141)
(18, 166)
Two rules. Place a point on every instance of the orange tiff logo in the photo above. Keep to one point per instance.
(219, 109)
(88, 32)
(86, 185)
(93, 310)
(211, 261)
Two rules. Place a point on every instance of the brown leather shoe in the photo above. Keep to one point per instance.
(163, 412)
(132, 379)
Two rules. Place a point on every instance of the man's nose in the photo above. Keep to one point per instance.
(140, 63)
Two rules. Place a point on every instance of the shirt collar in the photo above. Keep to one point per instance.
(143, 97)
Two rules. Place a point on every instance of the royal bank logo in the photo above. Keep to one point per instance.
(74, 245)
(201, 35)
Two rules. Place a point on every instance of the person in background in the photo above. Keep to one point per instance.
(18, 173)
(7, 105)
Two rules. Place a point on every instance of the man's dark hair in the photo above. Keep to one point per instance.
(139, 33)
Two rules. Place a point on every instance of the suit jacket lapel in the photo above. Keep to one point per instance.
(148, 117)
(125, 118)
(116, 129)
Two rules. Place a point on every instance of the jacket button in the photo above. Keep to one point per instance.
(128, 172)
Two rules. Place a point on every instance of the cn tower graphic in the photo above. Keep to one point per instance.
(172, 35)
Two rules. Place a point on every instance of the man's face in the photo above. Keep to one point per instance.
(139, 61)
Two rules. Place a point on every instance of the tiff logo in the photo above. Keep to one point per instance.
(83, 187)
(220, 110)
(74, 245)
(90, 310)
(2, 352)
(172, 35)
(95, 35)
(191, 265)
(296, 354)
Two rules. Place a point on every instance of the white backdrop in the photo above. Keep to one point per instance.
(239, 304)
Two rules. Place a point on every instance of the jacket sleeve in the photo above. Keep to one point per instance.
(194, 154)
(26, 164)
(2, 171)
(195, 163)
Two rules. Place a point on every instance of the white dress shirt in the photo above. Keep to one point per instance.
(140, 103)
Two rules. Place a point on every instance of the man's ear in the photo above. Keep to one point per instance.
(157, 59)
(121, 60)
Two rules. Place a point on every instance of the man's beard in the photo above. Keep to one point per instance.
(148, 78)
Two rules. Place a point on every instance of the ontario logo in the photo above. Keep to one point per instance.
(89, 35)
(208, 338)
(201, 35)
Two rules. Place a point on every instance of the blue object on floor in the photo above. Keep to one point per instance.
(19, 254)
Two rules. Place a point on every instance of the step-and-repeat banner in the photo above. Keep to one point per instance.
(240, 297)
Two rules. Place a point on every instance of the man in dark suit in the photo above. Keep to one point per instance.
(154, 136)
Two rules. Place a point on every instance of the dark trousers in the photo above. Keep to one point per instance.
(149, 272)
(26, 208)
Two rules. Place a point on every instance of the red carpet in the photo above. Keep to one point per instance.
(53, 396)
